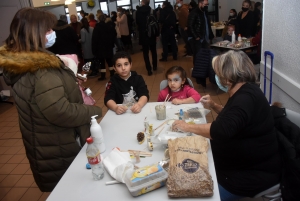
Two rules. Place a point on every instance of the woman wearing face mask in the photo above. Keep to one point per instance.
(243, 138)
(245, 21)
(50, 106)
(232, 17)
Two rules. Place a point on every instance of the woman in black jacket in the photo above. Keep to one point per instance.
(245, 21)
(168, 21)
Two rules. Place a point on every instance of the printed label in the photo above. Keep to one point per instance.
(94, 160)
(189, 165)
(151, 187)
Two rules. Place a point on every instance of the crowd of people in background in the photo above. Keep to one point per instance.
(94, 37)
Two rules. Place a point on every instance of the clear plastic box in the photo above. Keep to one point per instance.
(145, 179)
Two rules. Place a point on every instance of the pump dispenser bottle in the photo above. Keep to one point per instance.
(97, 134)
(233, 38)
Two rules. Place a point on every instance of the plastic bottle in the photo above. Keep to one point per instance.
(240, 38)
(233, 38)
(181, 114)
(94, 159)
(97, 134)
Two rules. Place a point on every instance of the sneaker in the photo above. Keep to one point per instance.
(174, 58)
(154, 68)
(163, 60)
(149, 73)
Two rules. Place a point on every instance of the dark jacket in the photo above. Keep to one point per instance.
(245, 26)
(289, 145)
(118, 86)
(141, 20)
(167, 19)
(203, 66)
(67, 41)
(103, 39)
(51, 112)
(196, 24)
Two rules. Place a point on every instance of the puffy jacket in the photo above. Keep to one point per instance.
(288, 135)
(51, 112)
(196, 24)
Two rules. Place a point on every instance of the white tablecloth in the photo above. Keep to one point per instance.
(120, 131)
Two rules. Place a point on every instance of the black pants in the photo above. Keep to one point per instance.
(168, 36)
(184, 36)
(152, 47)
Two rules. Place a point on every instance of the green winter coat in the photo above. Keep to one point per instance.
(51, 112)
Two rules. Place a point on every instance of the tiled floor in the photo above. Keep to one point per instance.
(16, 180)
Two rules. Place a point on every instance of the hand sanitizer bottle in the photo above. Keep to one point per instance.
(233, 38)
(97, 135)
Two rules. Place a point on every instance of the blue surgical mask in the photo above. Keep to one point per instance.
(51, 39)
(219, 84)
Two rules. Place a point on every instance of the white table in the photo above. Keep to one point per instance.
(120, 131)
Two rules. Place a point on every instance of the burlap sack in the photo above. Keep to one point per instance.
(188, 168)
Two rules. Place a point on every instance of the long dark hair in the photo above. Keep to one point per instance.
(85, 24)
(181, 72)
(28, 29)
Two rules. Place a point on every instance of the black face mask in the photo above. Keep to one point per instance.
(245, 9)
(205, 8)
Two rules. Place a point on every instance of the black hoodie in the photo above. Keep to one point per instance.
(118, 86)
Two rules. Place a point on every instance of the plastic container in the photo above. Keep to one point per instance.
(145, 179)
(233, 38)
(94, 159)
(97, 135)
(240, 38)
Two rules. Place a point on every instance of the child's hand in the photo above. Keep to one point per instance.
(136, 108)
(177, 101)
(120, 109)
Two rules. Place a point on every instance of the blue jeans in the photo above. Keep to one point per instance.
(227, 196)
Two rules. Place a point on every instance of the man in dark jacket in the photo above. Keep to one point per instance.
(168, 30)
(147, 43)
(199, 26)
(103, 40)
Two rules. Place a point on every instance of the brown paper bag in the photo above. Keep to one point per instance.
(188, 168)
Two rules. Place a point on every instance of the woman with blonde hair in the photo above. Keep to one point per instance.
(243, 138)
(52, 115)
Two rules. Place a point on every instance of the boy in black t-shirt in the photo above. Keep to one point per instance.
(124, 82)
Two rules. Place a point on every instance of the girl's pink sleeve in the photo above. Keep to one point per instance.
(191, 92)
(162, 95)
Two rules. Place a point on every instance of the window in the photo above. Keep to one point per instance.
(158, 2)
(78, 9)
(103, 6)
(125, 4)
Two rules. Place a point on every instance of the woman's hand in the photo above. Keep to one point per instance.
(136, 108)
(120, 109)
(207, 102)
(177, 101)
(180, 126)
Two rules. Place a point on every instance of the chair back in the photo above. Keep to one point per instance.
(164, 84)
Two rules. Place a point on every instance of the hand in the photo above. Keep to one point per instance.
(206, 101)
(185, 28)
(180, 125)
(136, 108)
(120, 109)
(177, 101)
(198, 38)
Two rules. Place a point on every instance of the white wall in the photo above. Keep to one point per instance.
(56, 10)
(281, 37)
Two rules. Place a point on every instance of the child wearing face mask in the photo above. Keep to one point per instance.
(179, 89)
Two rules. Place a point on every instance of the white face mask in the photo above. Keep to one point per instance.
(51, 39)
(179, 4)
(231, 14)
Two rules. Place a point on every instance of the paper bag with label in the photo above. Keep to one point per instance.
(188, 168)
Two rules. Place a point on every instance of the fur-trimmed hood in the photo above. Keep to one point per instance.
(15, 64)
